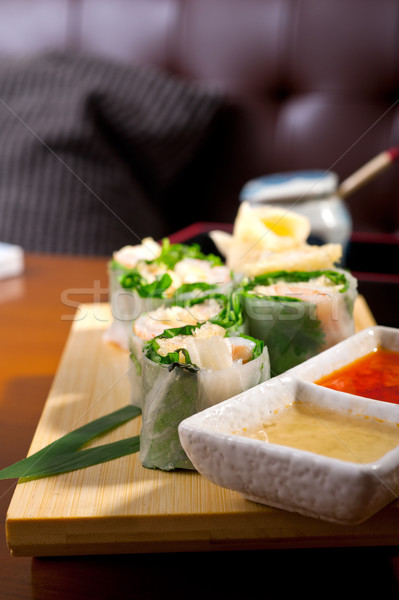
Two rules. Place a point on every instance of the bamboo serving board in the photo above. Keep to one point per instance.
(121, 507)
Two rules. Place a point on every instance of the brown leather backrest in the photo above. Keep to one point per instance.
(315, 82)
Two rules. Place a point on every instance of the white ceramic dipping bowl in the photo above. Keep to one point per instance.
(285, 477)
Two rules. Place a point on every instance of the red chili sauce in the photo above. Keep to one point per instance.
(375, 375)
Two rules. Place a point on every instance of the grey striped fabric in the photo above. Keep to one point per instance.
(90, 151)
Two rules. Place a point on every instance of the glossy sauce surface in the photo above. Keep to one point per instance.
(375, 375)
(346, 436)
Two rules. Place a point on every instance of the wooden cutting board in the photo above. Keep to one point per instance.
(121, 507)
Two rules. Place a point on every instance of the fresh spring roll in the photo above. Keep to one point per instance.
(186, 370)
(298, 314)
(123, 262)
(178, 272)
(224, 310)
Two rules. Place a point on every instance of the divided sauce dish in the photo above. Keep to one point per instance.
(309, 482)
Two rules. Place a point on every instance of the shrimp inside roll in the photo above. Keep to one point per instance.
(331, 309)
(129, 256)
(192, 270)
(299, 313)
(208, 348)
(151, 324)
(318, 287)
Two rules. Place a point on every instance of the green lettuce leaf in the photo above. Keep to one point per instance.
(336, 278)
(150, 348)
(188, 288)
(132, 280)
(230, 317)
(259, 345)
(288, 328)
(171, 254)
(174, 253)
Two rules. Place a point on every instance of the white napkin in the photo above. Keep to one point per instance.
(11, 260)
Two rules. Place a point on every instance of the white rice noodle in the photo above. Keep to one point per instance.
(214, 386)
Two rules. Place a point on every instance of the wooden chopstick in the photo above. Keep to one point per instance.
(372, 168)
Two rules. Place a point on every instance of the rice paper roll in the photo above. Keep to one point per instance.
(223, 310)
(185, 371)
(300, 313)
(124, 305)
(126, 258)
(178, 273)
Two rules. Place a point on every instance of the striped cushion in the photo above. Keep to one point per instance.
(91, 150)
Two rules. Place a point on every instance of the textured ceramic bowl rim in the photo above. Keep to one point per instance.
(347, 351)
(290, 478)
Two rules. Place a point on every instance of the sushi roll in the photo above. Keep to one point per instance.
(223, 310)
(186, 370)
(298, 314)
(169, 273)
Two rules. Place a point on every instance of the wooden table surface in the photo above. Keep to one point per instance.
(35, 318)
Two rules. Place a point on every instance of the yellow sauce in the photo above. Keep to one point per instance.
(349, 437)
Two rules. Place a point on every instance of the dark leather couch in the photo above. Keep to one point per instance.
(314, 83)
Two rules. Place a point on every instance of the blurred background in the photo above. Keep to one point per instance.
(283, 85)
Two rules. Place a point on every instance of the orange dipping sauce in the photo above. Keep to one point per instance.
(375, 375)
